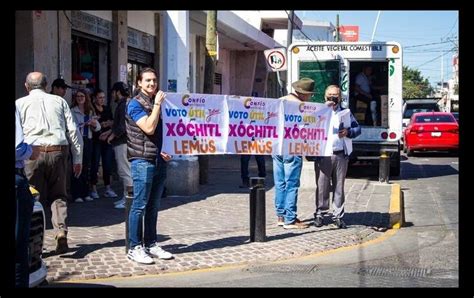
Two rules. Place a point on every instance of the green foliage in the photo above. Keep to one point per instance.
(414, 85)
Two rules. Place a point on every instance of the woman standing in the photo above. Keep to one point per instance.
(86, 122)
(100, 148)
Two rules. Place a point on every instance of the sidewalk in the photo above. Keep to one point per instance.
(211, 229)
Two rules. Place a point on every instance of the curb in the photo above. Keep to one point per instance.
(396, 211)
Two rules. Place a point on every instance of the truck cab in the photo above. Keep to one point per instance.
(340, 63)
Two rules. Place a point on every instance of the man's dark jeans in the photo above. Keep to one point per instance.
(244, 166)
(24, 211)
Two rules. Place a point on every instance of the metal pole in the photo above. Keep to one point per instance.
(257, 209)
(289, 40)
(128, 205)
(289, 35)
(280, 83)
(384, 167)
(337, 27)
(209, 70)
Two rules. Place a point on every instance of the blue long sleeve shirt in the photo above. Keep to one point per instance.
(23, 150)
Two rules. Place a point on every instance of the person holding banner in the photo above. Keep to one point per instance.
(343, 128)
(148, 167)
(287, 169)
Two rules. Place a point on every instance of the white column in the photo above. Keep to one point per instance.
(183, 171)
(177, 50)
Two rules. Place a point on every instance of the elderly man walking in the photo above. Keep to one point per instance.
(48, 125)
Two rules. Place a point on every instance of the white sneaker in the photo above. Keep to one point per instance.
(94, 195)
(109, 193)
(156, 251)
(120, 206)
(88, 199)
(79, 200)
(139, 255)
(121, 201)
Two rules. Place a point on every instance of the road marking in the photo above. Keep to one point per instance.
(396, 207)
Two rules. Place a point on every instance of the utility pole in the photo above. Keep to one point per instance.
(442, 73)
(337, 27)
(289, 39)
(209, 70)
(289, 35)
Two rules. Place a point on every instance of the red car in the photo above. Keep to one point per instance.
(431, 131)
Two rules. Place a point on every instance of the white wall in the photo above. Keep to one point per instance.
(142, 20)
(192, 63)
(223, 67)
(177, 49)
(252, 17)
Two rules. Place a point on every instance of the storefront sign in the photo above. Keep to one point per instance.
(90, 24)
(141, 40)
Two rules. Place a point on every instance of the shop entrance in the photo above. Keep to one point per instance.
(85, 62)
(137, 60)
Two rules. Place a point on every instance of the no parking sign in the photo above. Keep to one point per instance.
(276, 59)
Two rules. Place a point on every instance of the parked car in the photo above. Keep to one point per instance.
(431, 131)
(38, 270)
(416, 105)
(456, 116)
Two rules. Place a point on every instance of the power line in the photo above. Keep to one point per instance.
(426, 44)
(401, 37)
(432, 59)
(451, 27)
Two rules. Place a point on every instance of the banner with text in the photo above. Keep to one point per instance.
(254, 125)
(195, 124)
(305, 128)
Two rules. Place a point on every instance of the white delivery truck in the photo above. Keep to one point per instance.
(339, 63)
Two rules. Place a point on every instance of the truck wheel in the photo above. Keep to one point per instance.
(409, 152)
(404, 149)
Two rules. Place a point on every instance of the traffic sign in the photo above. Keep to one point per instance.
(276, 59)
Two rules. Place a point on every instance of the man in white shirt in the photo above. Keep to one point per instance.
(48, 125)
(342, 130)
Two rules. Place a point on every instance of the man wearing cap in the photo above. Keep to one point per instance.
(58, 87)
(287, 168)
(48, 125)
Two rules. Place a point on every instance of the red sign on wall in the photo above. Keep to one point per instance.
(349, 33)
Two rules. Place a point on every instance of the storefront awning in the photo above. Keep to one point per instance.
(234, 33)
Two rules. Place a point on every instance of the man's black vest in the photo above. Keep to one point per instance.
(139, 144)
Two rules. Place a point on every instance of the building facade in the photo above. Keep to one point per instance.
(94, 49)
